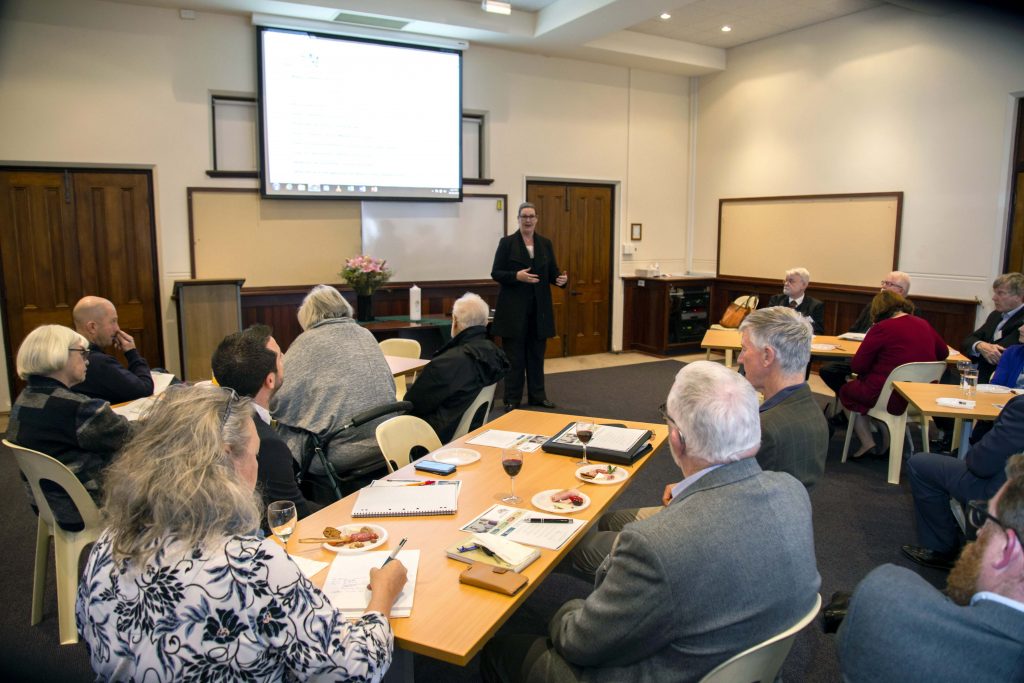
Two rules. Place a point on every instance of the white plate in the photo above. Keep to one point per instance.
(823, 347)
(618, 476)
(993, 389)
(542, 501)
(456, 456)
(382, 536)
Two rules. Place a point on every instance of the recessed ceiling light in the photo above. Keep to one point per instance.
(666, 16)
(726, 28)
(496, 7)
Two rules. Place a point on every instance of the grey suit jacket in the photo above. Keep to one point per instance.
(794, 437)
(899, 628)
(726, 565)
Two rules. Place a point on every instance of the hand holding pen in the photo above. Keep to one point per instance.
(387, 582)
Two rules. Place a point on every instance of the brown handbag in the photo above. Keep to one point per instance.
(735, 313)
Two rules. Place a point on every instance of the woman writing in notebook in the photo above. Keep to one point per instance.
(182, 586)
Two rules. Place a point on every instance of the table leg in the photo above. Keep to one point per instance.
(965, 438)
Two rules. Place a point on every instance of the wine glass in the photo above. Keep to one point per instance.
(281, 518)
(584, 432)
(512, 461)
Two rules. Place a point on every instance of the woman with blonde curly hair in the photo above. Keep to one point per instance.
(181, 585)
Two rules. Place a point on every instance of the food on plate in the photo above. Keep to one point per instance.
(356, 539)
(567, 499)
(600, 474)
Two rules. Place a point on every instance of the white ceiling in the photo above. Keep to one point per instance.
(622, 32)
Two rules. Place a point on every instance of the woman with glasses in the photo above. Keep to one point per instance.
(181, 585)
(81, 432)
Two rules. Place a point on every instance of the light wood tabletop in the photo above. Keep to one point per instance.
(451, 621)
(823, 345)
(986, 406)
(405, 366)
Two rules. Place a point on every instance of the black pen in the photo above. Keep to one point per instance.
(548, 520)
(394, 553)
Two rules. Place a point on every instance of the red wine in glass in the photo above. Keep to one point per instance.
(585, 432)
(512, 467)
(512, 463)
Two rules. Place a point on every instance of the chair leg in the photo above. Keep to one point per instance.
(67, 551)
(851, 417)
(728, 358)
(39, 573)
(897, 428)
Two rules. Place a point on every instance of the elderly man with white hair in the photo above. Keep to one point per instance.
(728, 561)
(794, 295)
(459, 369)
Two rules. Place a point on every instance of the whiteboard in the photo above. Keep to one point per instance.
(426, 242)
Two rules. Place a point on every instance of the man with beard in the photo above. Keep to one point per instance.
(900, 628)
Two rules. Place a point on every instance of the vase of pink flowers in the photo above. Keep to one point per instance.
(365, 274)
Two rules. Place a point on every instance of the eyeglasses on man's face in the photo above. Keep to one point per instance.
(889, 284)
(978, 514)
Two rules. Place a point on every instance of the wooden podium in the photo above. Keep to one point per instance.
(208, 311)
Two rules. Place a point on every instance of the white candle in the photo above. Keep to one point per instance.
(414, 303)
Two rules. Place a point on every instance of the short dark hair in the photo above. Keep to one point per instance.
(887, 304)
(242, 360)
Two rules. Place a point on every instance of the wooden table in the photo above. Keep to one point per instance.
(729, 341)
(405, 366)
(922, 396)
(451, 621)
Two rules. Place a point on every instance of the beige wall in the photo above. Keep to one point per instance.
(93, 82)
(882, 100)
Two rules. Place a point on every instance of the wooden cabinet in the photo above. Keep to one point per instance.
(665, 316)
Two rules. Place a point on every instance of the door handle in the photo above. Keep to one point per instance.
(574, 292)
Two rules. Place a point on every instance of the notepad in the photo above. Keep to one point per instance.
(345, 585)
(406, 501)
(503, 553)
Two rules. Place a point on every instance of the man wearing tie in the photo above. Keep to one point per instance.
(794, 289)
(987, 343)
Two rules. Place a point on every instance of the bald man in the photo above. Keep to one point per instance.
(106, 378)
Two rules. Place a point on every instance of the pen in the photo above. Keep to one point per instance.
(548, 520)
(394, 553)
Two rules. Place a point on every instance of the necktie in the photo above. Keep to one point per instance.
(792, 304)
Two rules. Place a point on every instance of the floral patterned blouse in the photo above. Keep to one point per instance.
(241, 611)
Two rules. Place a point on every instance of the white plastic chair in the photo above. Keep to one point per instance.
(897, 424)
(740, 300)
(67, 545)
(399, 435)
(763, 661)
(404, 348)
(484, 398)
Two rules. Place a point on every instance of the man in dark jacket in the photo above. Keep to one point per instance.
(459, 370)
(250, 363)
(96, 320)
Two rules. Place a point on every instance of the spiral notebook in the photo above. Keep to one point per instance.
(406, 501)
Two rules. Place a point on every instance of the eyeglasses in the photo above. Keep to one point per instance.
(527, 218)
(894, 285)
(977, 515)
(232, 399)
(663, 409)
(84, 352)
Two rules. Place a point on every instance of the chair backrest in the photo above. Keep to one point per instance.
(910, 372)
(749, 300)
(406, 348)
(481, 404)
(763, 661)
(38, 467)
(399, 435)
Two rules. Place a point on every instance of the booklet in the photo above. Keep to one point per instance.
(493, 550)
(497, 438)
(510, 523)
(610, 443)
(349, 575)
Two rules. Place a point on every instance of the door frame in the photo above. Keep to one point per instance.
(9, 355)
(613, 278)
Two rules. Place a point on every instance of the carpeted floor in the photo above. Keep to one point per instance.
(860, 521)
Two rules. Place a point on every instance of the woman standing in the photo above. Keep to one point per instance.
(895, 338)
(181, 586)
(525, 267)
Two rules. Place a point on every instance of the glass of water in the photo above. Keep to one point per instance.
(281, 518)
(969, 382)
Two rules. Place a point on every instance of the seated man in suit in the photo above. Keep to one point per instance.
(729, 561)
(834, 374)
(96, 320)
(793, 295)
(250, 363)
(899, 628)
(775, 349)
(459, 370)
(935, 478)
(987, 343)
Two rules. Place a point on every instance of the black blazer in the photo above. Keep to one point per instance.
(986, 333)
(276, 474)
(515, 298)
(811, 307)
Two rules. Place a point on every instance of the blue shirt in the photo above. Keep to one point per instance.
(690, 480)
(779, 397)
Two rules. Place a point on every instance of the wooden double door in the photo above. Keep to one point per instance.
(577, 218)
(68, 233)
